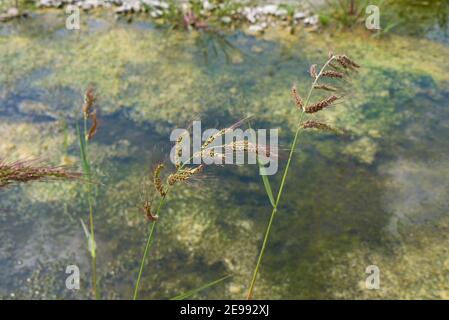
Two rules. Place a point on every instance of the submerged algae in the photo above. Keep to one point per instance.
(157, 76)
(148, 77)
(415, 267)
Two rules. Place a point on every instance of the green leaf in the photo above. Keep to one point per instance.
(90, 241)
(266, 184)
(82, 143)
(190, 293)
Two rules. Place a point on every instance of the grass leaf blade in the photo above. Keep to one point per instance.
(266, 182)
(190, 293)
(90, 241)
(82, 143)
(267, 185)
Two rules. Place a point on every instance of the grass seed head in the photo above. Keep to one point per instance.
(184, 174)
(178, 151)
(345, 62)
(242, 146)
(325, 87)
(299, 102)
(89, 100)
(313, 124)
(213, 137)
(332, 74)
(157, 180)
(321, 104)
(220, 133)
(28, 170)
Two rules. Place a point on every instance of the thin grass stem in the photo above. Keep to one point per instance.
(281, 187)
(86, 168)
(147, 246)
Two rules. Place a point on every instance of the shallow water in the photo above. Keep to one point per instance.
(375, 195)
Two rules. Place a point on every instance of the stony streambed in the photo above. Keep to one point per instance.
(259, 17)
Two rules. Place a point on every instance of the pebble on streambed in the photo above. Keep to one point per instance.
(258, 17)
(12, 13)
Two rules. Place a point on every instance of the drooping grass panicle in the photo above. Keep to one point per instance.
(31, 170)
(314, 124)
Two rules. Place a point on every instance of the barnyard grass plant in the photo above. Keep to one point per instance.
(183, 173)
(338, 68)
(89, 112)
